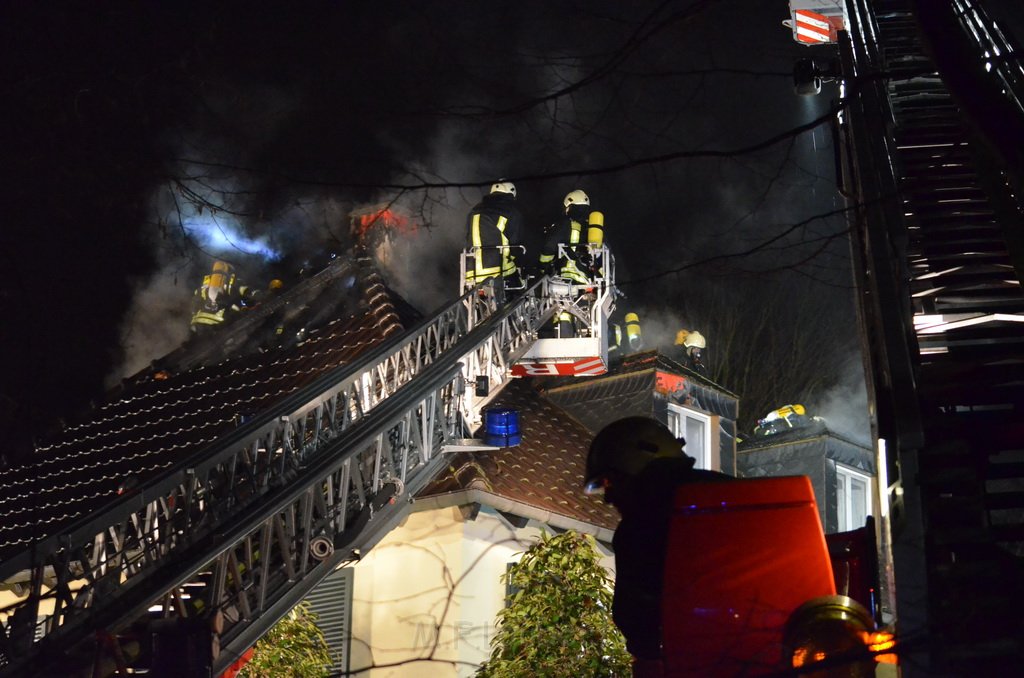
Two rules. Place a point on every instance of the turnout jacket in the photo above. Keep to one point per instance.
(578, 228)
(495, 224)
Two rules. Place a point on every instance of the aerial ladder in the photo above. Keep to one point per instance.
(229, 539)
(929, 131)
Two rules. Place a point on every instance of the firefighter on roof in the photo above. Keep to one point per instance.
(637, 464)
(579, 227)
(494, 234)
(783, 419)
(691, 345)
(219, 296)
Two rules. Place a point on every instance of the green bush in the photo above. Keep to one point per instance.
(558, 621)
(293, 647)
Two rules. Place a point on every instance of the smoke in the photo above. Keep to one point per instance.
(423, 267)
(845, 407)
(156, 323)
(277, 120)
(223, 235)
(658, 327)
(201, 219)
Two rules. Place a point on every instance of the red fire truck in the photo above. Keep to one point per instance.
(753, 587)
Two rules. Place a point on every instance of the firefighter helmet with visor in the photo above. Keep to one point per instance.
(576, 197)
(625, 447)
(695, 340)
(504, 187)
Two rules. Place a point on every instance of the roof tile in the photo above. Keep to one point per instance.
(545, 471)
(147, 423)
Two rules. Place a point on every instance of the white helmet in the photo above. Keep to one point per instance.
(695, 340)
(504, 187)
(577, 197)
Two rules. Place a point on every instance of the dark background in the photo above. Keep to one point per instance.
(134, 132)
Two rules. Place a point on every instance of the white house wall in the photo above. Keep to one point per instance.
(436, 577)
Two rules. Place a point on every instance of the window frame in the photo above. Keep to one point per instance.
(845, 475)
(678, 428)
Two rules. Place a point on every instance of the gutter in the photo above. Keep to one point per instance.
(500, 503)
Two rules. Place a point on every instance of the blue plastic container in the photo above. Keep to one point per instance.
(501, 427)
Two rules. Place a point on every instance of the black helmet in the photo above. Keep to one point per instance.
(626, 446)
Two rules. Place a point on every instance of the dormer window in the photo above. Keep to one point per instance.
(852, 500)
(695, 427)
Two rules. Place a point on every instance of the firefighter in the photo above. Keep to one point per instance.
(638, 464)
(580, 226)
(783, 419)
(219, 297)
(494, 233)
(275, 288)
(691, 345)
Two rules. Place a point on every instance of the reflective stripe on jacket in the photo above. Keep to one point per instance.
(507, 265)
(493, 228)
(569, 269)
(207, 318)
(209, 311)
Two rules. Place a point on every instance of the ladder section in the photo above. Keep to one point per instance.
(241, 531)
(946, 241)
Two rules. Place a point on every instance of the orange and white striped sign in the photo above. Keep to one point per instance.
(811, 28)
(586, 367)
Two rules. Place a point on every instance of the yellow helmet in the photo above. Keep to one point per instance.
(275, 284)
(695, 340)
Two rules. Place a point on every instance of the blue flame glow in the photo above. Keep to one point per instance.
(221, 236)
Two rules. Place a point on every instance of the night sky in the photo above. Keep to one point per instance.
(135, 132)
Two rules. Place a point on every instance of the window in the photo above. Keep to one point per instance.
(696, 429)
(851, 498)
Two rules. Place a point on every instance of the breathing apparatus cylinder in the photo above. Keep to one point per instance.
(595, 228)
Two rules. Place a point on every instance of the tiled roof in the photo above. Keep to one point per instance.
(545, 471)
(763, 451)
(655, 359)
(629, 390)
(559, 417)
(158, 417)
(176, 407)
(816, 428)
(596, 402)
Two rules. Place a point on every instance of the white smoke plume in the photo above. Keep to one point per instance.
(424, 266)
(658, 326)
(192, 235)
(845, 407)
(157, 322)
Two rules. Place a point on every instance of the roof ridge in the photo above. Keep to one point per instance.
(381, 303)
